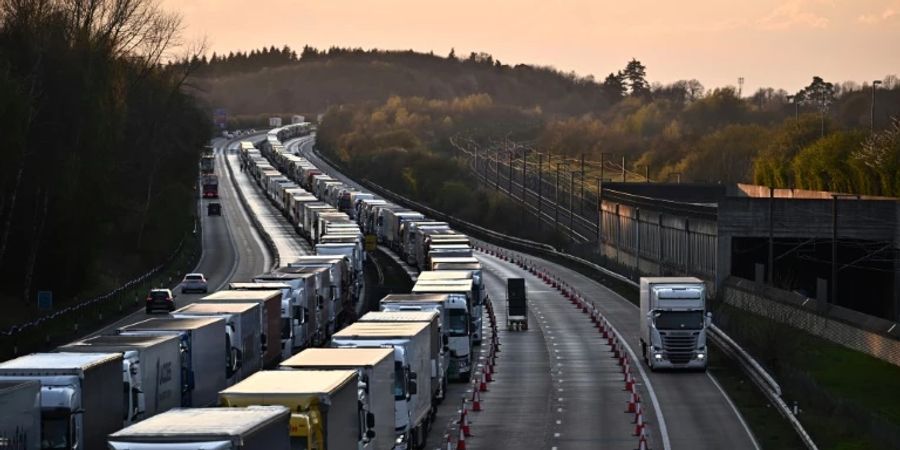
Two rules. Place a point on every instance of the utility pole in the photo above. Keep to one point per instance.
(581, 206)
(600, 212)
(556, 191)
(793, 99)
(509, 178)
(497, 170)
(647, 173)
(524, 191)
(834, 244)
(571, 201)
(623, 168)
(540, 190)
(771, 266)
(602, 154)
(874, 88)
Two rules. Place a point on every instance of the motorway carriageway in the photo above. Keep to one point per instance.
(232, 249)
(557, 387)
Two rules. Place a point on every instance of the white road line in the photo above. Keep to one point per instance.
(736, 412)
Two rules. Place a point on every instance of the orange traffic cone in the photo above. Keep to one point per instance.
(629, 382)
(632, 400)
(639, 424)
(464, 422)
(461, 442)
(482, 386)
(642, 442)
(476, 400)
(449, 442)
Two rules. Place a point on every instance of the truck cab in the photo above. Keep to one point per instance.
(458, 323)
(674, 322)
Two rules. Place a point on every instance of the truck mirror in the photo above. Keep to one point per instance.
(370, 434)
(446, 340)
(413, 387)
(370, 422)
(709, 315)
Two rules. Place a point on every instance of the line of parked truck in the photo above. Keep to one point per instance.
(268, 363)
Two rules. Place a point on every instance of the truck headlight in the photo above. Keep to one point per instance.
(701, 355)
(657, 356)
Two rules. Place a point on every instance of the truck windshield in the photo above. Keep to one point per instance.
(679, 320)
(459, 323)
(55, 432)
(399, 381)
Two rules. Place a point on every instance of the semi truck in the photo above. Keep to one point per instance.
(325, 409)
(412, 344)
(295, 303)
(207, 163)
(479, 293)
(250, 428)
(242, 334)
(516, 304)
(81, 395)
(20, 415)
(151, 369)
(377, 380)
(458, 324)
(673, 323)
(270, 302)
(440, 354)
(203, 358)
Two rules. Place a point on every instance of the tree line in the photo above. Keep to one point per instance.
(99, 146)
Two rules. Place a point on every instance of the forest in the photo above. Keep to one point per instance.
(99, 147)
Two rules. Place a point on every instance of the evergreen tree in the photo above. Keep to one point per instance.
(636, 74)
(614, 85)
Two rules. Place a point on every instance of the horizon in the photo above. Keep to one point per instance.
(706, 40)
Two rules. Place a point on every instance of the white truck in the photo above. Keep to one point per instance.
(274, 122)
(203, 362)
(440, 351)
(20, 415)
(412, 340)
(294, 307)
(151, 368)
(251, 428)
(242, 334)
(324, 404)
(477, 298)
(81, 395)
(458, 323)
(674, 322)
(270, 302)
(377, 380)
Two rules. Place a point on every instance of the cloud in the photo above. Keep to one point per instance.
(795, 14)
(870, 19)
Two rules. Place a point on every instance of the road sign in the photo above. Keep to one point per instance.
(45, 300)
(220, 117)
(371, 243)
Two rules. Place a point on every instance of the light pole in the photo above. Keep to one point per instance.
(874, 88)
(793, 99)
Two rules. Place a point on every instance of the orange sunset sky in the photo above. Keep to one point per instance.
(769, 43)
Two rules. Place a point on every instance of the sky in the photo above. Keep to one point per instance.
(779, 44)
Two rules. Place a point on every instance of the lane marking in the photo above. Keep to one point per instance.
(736, 412)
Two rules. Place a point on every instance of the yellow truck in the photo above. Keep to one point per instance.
(325, 410)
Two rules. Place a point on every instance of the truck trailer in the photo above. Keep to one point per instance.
(674, 322)
(377, 380)
(151, 368)
(20, 415)
(250, 428)
(81, 395)
(270, 302)
(325, 409)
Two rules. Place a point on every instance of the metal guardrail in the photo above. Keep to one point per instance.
(754, 370)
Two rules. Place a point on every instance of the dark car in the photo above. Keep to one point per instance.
(160, 299)
(214, 209)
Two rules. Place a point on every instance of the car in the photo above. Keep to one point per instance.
(194, 282)
(160, 299)
(214, 209)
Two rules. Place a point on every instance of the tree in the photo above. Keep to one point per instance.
(614, 85)
(452, 55)
(636, 74)
(820, 94)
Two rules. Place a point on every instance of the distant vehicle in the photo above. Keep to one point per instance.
(214, 209)
(194, 282)
(160, 299)
(274, 122)
(252, 130)
(516, 304)
(207, 163)
(210, 183)
(297, 119)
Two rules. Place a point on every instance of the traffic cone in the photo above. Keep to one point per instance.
(642, 442)
(482, 386)
(632, 400)
(461, 442)
(476, 400)
(464, 422)
(629, 382)
(489, 373)
(449, 441)
(639, 424)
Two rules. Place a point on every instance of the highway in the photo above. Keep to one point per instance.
(232, 249)
(557, 385)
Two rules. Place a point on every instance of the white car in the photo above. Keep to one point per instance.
(194, 282)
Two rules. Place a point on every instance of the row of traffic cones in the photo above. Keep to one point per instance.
(480, 379)
(603, 326)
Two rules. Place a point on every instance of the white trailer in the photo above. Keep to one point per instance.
(673, 323)
(250, 428)
(20, 414)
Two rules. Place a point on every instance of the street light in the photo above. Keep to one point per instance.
(793, 99)
(874, 87)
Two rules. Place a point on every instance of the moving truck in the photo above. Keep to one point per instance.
(81, 395)
(251, 428)
(242, 334)
(203, 360)
(210, 184)
(151, 369)
(458, 324)
(377, 380)
(674, 322)
(270, 302)
(20, 415)
(412, 344)
(325, 409)
(516, 304)
(440, 355)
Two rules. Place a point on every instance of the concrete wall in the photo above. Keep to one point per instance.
(870, 335)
